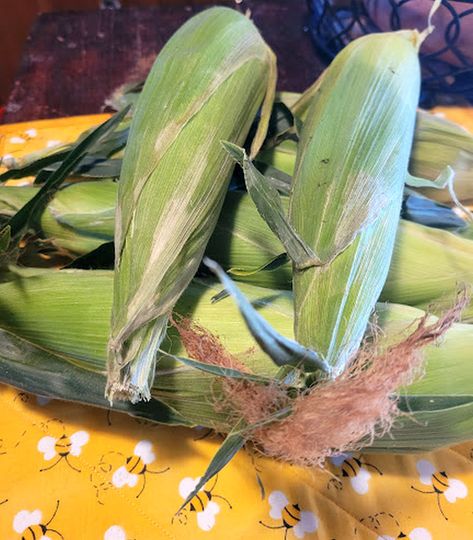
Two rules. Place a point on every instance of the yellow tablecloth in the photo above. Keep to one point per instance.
(74, 472)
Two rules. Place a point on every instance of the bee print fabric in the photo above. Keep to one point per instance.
(72, 472)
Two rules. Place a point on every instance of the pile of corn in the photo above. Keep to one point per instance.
(310, 228)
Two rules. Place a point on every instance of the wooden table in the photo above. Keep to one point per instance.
(74, 60)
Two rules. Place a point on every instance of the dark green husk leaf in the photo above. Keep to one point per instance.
(232, 444)
(31, 211)
(38, 371)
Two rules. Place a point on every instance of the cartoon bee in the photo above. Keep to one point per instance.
(203, 503)
(356, 470)
(293, 518)
(30, 526)
(419, 533)
(63, 447)
(451, 488)
(136, 467)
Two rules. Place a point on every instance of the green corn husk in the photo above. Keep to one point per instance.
(426, 269)
(437, 143)
(12, 198)
(81, 217)
(54, 343)
(348, 185)
(205, 86)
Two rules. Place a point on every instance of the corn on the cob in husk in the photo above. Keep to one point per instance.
(350, 237)
(81, 217)
(427, 265)
(347, 188)
(54, 343)
(426, 268)
(438, 143)
(206, 85)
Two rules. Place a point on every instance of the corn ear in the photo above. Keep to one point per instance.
(81, 217)
(347, 188)
(45, 352)
(426, 269)
(12, 198)
(439, 405)
(206, 85)
(438, 143)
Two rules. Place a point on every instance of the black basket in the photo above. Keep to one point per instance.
(446, 58)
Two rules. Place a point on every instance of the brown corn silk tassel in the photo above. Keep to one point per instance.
(332, 416)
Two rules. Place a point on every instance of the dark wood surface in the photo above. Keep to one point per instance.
(73, 61)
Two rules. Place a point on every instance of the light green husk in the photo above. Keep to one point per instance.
(438, 142)
(54, 343)
(206, 85)
(347, 188)
(81, 217)
(426, 269)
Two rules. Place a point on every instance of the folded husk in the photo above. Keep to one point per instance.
(426, 269)
(441, 142)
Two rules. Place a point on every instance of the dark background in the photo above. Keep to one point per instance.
(17, 17)
(72, 61)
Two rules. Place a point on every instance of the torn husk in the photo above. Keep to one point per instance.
(206, 85)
